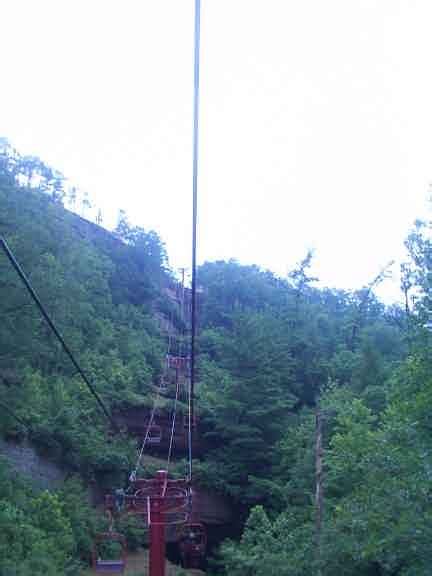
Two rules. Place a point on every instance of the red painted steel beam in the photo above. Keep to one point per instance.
(157, 541)
(157, 529)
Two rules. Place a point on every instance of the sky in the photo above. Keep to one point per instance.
(315, 121)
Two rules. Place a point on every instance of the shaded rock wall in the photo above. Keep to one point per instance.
(210, 508)
(24, 460)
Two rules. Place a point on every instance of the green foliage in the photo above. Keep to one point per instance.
(278, 548)
(377, 516)
(103, 312)
(82, 517)
(270, 350)
(38, 532)
(377, 488)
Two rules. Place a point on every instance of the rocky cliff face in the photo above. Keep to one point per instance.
(210, 508)
(24, 460)
(135, 420)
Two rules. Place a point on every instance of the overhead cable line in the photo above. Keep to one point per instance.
(194, 219)
(14, 416)
(155, 406)
(173, 421)
(147, 434)
(53, 327)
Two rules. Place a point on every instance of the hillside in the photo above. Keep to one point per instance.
(282, 364)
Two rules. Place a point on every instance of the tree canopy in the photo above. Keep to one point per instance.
(271, 353)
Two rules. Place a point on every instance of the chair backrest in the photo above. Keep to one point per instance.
(193, 536)
(154, 434)
(109, 565)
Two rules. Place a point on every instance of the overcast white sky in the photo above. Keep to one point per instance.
(315, 126)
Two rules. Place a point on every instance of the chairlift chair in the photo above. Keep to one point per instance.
(109, 566)
(154, 435)
(177, 362)
(193, 544)
(186, 421)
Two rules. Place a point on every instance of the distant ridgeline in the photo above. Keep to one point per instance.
(271, 352)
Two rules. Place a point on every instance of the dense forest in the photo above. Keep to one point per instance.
(313, 404)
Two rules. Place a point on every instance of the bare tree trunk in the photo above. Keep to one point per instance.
(318, 485)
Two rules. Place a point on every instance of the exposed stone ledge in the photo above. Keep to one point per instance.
(23, 459)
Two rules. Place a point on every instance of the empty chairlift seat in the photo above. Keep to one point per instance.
(109, 553)
(154, 434)
(177, 362)
(186, 421)
(163, 385)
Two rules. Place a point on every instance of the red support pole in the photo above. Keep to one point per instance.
(157, 529)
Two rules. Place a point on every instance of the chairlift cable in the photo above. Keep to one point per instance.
(173, 423)
(194, 220)
(155, 404)
(54, 329)
(14, 416)
(147, 434)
